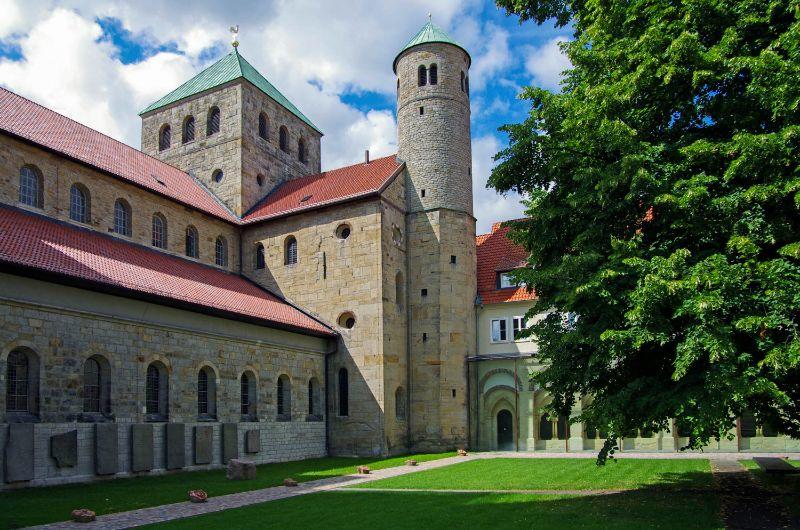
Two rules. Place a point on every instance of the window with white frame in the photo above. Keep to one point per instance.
(499, 330)
(505, 281)
(519, 327)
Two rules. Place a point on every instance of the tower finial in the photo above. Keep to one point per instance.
(430, 17)
(235, 35)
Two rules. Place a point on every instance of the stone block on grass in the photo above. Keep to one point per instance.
(241, 469)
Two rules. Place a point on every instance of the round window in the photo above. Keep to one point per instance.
(217, 175)
(347, 320)
(260, 180)
(343, 231)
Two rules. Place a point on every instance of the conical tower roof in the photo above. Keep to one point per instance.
(430, 32)
(232, 66)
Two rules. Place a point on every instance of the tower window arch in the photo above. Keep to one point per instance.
(433, 74)
(22, 383)
(79, 203)
(302, 155)
(466, 84)
(422, 75)
(164, 137)
(31, 188)
(192, 242)
(283, 139)
(344, 393)
(159, 238)
(314, 399)
(290, 251)
(221, 251)
(188, 129)
(122, 217)
(263, 126)
(462, 81)
(156, 392)
(260, 258)
(212, 125)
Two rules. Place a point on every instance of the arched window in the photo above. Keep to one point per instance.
(122, 217)
(344, 393)
(22, 382)
(159, 231)
(284, 398)
(422, 75)
(433, 74)
(248, 397)
(206, 393)
(462, 81)
(301, 151)
(192, 241)
(156, 392)
(399, 290)
(314, 400)
(545, 428)
(400, 404)
(260, 259)
(221, 252)
(96, 385)
(562, 428)
(290, 251)
(283, 138)
(212, 125)
(263, 126)
(79, 203)
(466, 84)
(188, 130)
(164, 137)
(31, 188)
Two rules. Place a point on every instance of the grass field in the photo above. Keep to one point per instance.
(557, 474)
(401, 510)
(45, 505)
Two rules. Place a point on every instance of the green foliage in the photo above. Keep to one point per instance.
(663, 191)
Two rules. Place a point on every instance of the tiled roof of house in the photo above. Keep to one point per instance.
(326, 188)
(232, 66)
(50, 248)
(496, 253)
(430, 32)
(34, 123)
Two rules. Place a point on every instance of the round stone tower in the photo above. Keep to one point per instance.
(434, 142)
(433, 121)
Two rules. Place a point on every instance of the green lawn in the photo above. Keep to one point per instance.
(556, 474)
(45, 505)
(636, 509)
(787, 488)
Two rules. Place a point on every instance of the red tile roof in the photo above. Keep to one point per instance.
(37, 244)
(34, 123)
(496, 253)
(328, 187)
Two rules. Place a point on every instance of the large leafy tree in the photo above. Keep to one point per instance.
(663, 198)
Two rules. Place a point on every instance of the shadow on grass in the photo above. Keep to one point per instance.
(670, 506)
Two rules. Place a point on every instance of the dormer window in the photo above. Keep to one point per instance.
(505, 281)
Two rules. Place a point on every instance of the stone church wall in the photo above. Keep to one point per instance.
(59, 174)
(64, 326)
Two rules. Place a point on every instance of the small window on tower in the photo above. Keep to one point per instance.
(452, 259)
(422, 75)
(424, 292)
(421, 111)
(433, 74)
(423, 193)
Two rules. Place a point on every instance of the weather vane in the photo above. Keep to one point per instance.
(430, 17)
(235, 35)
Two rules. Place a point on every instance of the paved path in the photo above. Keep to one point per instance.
(181, 510)
(746, 503)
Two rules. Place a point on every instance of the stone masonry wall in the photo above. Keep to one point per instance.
(333, 276)
(60, 174)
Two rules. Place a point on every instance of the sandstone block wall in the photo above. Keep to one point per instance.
(58, 176)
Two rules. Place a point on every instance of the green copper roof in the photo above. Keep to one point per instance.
(430, 32)
(232, 66)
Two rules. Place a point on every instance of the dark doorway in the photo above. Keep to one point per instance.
(505, 431)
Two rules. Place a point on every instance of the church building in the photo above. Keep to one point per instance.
(216, 295)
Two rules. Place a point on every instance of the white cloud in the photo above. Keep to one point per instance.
(494, 58)
(490, 206)
(546, 63)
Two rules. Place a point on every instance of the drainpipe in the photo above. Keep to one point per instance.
(516, 408)
(478, 308)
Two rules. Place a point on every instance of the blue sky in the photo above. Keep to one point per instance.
(102, 62)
